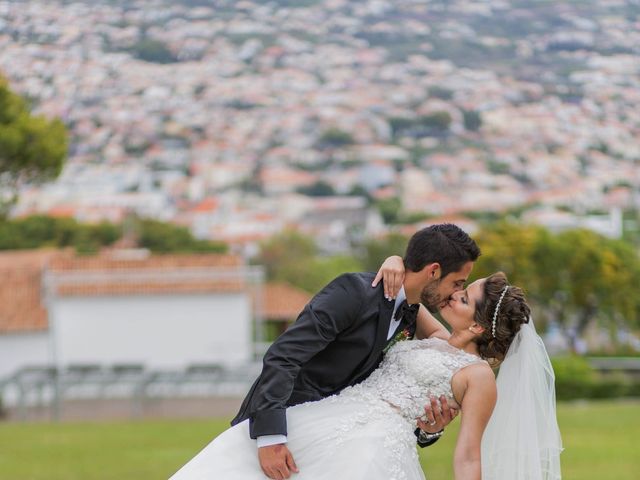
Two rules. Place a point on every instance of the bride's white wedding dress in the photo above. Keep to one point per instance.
(365, 432)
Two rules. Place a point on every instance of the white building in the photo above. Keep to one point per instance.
(165, 312)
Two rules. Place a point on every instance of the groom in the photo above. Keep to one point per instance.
(340, 336)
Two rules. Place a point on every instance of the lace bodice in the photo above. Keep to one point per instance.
(411, 372)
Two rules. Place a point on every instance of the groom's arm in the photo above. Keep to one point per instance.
(331, 311)
(437, 415)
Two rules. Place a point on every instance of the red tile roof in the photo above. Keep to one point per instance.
(21, 307)
(283, 301)
(21, 296)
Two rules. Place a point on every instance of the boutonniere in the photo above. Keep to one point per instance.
(400, 337)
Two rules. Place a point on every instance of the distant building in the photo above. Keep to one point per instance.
(337, 223)
(282, 303)
(157, 311)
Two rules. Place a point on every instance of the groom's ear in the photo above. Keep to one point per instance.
(433, 271)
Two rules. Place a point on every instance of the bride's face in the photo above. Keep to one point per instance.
(460, 309)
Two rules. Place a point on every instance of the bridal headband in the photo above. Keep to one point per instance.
(495, 313)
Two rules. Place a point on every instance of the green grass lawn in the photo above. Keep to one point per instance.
(599, 438)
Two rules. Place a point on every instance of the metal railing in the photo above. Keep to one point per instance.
(49, 387)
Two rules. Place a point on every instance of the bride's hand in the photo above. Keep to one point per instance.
(392, 275)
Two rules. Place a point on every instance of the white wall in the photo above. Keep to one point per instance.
(23, 349)
(159, 331)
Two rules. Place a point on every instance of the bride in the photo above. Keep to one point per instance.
(508, 427)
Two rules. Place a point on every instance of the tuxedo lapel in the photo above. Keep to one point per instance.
(382, 330)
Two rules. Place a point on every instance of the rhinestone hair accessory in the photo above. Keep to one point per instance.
(495, 313)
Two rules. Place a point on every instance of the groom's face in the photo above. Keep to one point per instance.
(435, 294)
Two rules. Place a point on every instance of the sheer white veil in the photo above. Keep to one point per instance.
(522, 440)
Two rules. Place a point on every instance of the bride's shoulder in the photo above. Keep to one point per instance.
(478, 376)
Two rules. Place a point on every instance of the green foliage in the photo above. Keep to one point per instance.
(442, 93)
(360, 191)
(42, 231)
(406, 218)
(32, 148)
(389, 209)
(496, 167)
(315, 273)
(318, 189)
(399, 124)
(335, 138)
(472, 120)
(573, 277)
(154, 51)
(162, 237)
(293, 258)
(377, 250)
(284, 248)
(434, 124)
(576, 379)
(439, 121)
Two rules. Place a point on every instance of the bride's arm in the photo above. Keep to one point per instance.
(478, 400)
(428, 326)
(392, 274)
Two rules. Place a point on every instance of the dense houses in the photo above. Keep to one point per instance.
(254, 104)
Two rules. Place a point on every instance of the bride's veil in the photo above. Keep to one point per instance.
(522, 440)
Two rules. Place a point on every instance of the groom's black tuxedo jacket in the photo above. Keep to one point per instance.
(336, 341)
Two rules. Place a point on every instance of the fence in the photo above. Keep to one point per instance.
(49, 388)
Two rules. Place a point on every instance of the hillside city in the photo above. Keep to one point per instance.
(341, 118)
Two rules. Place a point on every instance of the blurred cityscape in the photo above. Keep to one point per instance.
(240, 118)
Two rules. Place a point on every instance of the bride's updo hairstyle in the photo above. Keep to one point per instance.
(513, 311)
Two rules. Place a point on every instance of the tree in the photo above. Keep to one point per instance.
(316, 272)
(283, 249)
(601, 276)
(573, 278)
(399, 125)
(375, 251)
(442, 93)
(154, 51)
(162, 237)
(293, 258)
(472, 120)
(32, 148)
(437, 121)
(389, 209)
(335, 138)
(42, 231)
(318, 189)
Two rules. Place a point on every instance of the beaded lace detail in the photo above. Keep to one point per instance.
(410, 373)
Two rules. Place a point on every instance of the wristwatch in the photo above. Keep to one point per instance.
(429, 437)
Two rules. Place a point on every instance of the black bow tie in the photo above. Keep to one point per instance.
(407, 313)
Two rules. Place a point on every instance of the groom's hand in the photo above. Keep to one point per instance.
(436, 415)
(276, 461)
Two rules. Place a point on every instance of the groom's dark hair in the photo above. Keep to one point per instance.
(443, 243)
